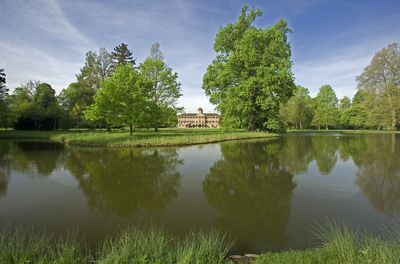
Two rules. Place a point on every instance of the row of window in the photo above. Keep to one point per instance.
(196, 117)
(187, 121)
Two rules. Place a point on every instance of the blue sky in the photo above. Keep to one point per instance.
(332, 40)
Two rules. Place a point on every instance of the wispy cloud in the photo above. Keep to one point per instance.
(38, 42)
(47, 39)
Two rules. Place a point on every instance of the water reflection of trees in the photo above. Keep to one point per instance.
(38, 158)
(5, 160)
(252, 190)
(325, 152)
(124, 181)
(379, 173)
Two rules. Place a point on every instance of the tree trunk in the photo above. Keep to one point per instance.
(55, 123)
(35, 125)
(156, 129)
(131, 129)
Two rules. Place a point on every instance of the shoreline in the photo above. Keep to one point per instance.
(117, 139)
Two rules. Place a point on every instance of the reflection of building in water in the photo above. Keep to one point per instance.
(198, 119)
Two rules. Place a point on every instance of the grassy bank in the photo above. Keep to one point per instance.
(165, 137)
(152, 245)
(337, 244)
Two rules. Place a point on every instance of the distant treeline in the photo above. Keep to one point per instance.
(109, 91)
(376, 104)
(250, 82)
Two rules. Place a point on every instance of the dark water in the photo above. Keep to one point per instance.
(268, 194)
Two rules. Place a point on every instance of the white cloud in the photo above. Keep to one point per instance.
(338, 69)
(42, 45)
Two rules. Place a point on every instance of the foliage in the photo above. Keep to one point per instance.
(344, 112)
(78, 96)
(122, 99)
(299, 110)
(164, 89)
(35, 107)
(251, 74)
(121, 55)
(5, 107)
(326, 112)
(380, 83)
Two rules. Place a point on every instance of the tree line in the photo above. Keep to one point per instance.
(250, 82)
(252, 85)
(375, 105)
(110, 91)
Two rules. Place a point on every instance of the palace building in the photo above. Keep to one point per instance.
(198, 119)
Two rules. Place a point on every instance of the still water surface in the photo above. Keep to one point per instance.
(267, 194)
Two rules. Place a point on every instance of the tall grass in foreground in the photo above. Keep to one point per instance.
(339, 244)
(134, 245)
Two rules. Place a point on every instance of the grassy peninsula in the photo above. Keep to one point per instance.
(121, 138)
(337, 244)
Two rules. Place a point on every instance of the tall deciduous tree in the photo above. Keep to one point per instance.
(381, 83)
(121, 100)
(344, 112)
(79, 95)
(251, 74)
(35, 106)
(326, 111)
(4, 101)
(300, 108)
(164, 88)
(122, 54)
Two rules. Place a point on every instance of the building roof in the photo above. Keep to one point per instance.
(196, 114)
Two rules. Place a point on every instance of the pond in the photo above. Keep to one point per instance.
(267, 194)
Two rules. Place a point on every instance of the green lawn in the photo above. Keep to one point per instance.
(165, 137)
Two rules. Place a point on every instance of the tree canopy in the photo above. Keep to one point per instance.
(380, 82)
(4, 101)
(251, 74)
(326, 113)
(122, 54)
(164, 88)
(121, 100)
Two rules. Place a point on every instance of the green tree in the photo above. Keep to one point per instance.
(326, 112)
(380, 81)
(358, 111)
(344, 112)
(5, 108)
(251, 74)
(78, 96)
(35, 106)
(300, 108)
(164, 88)
(121, 54)
(121, 100)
